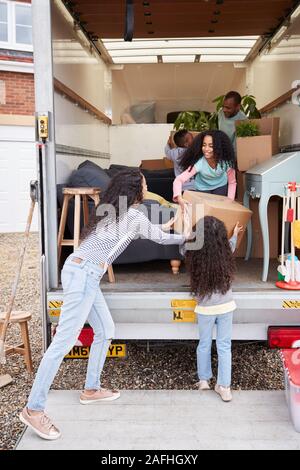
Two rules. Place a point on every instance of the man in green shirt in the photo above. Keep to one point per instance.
(230, 113)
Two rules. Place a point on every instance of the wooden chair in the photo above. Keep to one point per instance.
(22, 319)
(78, 193)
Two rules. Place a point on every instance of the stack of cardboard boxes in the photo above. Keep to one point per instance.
(250, 152)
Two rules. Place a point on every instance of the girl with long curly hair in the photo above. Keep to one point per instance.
(211, 274)
(211, 160)
(120, 221)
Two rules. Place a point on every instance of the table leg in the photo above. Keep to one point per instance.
(263, 220)
(246, 202)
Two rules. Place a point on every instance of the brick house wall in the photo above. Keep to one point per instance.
(19, 93)
(16, 88)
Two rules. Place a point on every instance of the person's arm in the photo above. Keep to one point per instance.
(154, 232)
(171, 154)
(231, 183)
(182, 178)
(233, 242)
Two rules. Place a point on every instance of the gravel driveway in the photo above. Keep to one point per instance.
(164, 366)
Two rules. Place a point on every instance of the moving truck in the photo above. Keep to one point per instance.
(183, 55)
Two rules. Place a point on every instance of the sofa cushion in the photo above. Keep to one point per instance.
(89, 174)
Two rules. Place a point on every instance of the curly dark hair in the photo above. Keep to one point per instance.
(223, 150)
(128, 183)
(213, 266)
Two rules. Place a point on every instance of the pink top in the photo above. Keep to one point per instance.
(189, 173)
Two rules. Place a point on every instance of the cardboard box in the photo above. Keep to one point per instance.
(157, 164)
(221, 207)
(251, 151)
(273, 220)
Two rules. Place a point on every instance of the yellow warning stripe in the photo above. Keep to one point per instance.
(291, 304)
(55, 303)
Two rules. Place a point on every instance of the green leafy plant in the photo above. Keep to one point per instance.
(248, 106)
(203, 120)
(192, 121)
(247, 129)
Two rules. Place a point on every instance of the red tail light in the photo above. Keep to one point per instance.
(284, 337)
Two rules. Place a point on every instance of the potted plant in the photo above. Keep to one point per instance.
(247, 129)
(248, 106)
(199, 121)
(196, 121)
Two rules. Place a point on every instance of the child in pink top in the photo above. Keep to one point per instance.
(211, 160)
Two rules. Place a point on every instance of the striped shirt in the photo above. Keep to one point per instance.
(109, 240)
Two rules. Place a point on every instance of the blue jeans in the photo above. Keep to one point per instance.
(83, 301)
(223, 339)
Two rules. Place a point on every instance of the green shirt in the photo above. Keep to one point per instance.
(227, 125)
(208, 178)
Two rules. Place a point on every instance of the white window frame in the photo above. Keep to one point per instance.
(11, 16)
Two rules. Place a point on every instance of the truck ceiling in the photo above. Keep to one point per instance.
(182, 18)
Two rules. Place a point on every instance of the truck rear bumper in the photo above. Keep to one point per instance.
(169, 315)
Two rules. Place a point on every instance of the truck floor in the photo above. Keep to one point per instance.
(157, 275)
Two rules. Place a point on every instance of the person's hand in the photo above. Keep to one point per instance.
(237, 229)
(171, 142)
(182, 203)
(187, 223)
(168, 225)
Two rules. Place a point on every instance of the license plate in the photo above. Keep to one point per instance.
(82, 352)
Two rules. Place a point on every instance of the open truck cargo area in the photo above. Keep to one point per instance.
(90, 86)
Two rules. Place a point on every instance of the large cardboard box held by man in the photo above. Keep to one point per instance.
(221, 207)
(251, 151)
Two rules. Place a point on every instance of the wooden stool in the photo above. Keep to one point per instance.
(85, 193)
(24, 349)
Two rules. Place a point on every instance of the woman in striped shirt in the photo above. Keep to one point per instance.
(119, 222)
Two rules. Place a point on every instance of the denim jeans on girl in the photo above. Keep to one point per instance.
(223, 340)
(83, 301)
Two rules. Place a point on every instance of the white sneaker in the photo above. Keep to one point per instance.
(224, 392)
(41, 424)
(203, 385)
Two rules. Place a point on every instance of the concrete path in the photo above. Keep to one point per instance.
(170, 420)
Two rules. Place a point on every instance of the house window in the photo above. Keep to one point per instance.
(15, 25)
(23, 24)
(3, 22)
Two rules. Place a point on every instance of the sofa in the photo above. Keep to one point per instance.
(88, 174)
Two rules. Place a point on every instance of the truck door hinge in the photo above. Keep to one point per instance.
(34, 186)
